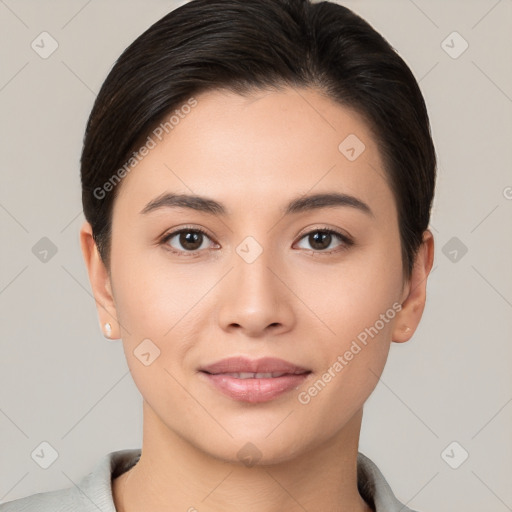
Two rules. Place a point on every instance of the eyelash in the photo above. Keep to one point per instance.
(346, 241)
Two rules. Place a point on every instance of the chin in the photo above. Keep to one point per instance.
(257, 452)
(257, 446)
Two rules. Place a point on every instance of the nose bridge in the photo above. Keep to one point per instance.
(252, 271)
(255, 297)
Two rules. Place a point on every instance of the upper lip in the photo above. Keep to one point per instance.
(247, 365)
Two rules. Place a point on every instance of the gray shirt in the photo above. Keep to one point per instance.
(94, 492)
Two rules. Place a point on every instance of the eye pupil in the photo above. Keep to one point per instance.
(320, 237)
(188, 239)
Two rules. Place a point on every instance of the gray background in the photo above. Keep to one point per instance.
(62, 382)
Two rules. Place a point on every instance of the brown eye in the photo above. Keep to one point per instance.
(190, 240)
(185, 240)
(321, 239)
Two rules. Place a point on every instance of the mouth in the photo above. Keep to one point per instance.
(252, 375)
(254, 380)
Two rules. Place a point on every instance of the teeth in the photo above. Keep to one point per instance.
(249, 375)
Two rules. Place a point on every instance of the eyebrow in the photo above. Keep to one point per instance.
(298, 205)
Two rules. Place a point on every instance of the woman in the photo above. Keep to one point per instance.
(257, 181)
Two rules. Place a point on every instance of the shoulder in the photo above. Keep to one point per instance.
(54, 501)
(92, 493)
(374, 487)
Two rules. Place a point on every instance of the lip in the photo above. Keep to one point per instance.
(245, 364)
(225, 377)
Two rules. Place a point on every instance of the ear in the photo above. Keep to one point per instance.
(100, 281)
(413, 302)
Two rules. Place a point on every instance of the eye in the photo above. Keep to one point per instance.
(321, 239)
(190, 239)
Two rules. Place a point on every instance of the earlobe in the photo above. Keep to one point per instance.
(100, 282)
(410, 315)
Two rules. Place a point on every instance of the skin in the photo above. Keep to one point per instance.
(254, 154)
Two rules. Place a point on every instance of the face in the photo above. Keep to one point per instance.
(263, 281)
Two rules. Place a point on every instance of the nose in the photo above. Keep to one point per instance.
(255, 298)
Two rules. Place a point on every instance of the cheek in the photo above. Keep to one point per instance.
(352, 365)
(160, 302)
(155, 309)
(151, 296)
(350, 297)
(360, 310)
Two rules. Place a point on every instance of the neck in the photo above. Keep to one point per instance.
(174, 475)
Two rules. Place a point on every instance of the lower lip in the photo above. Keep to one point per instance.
(255, 390)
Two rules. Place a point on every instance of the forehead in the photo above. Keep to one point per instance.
(252, 151)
